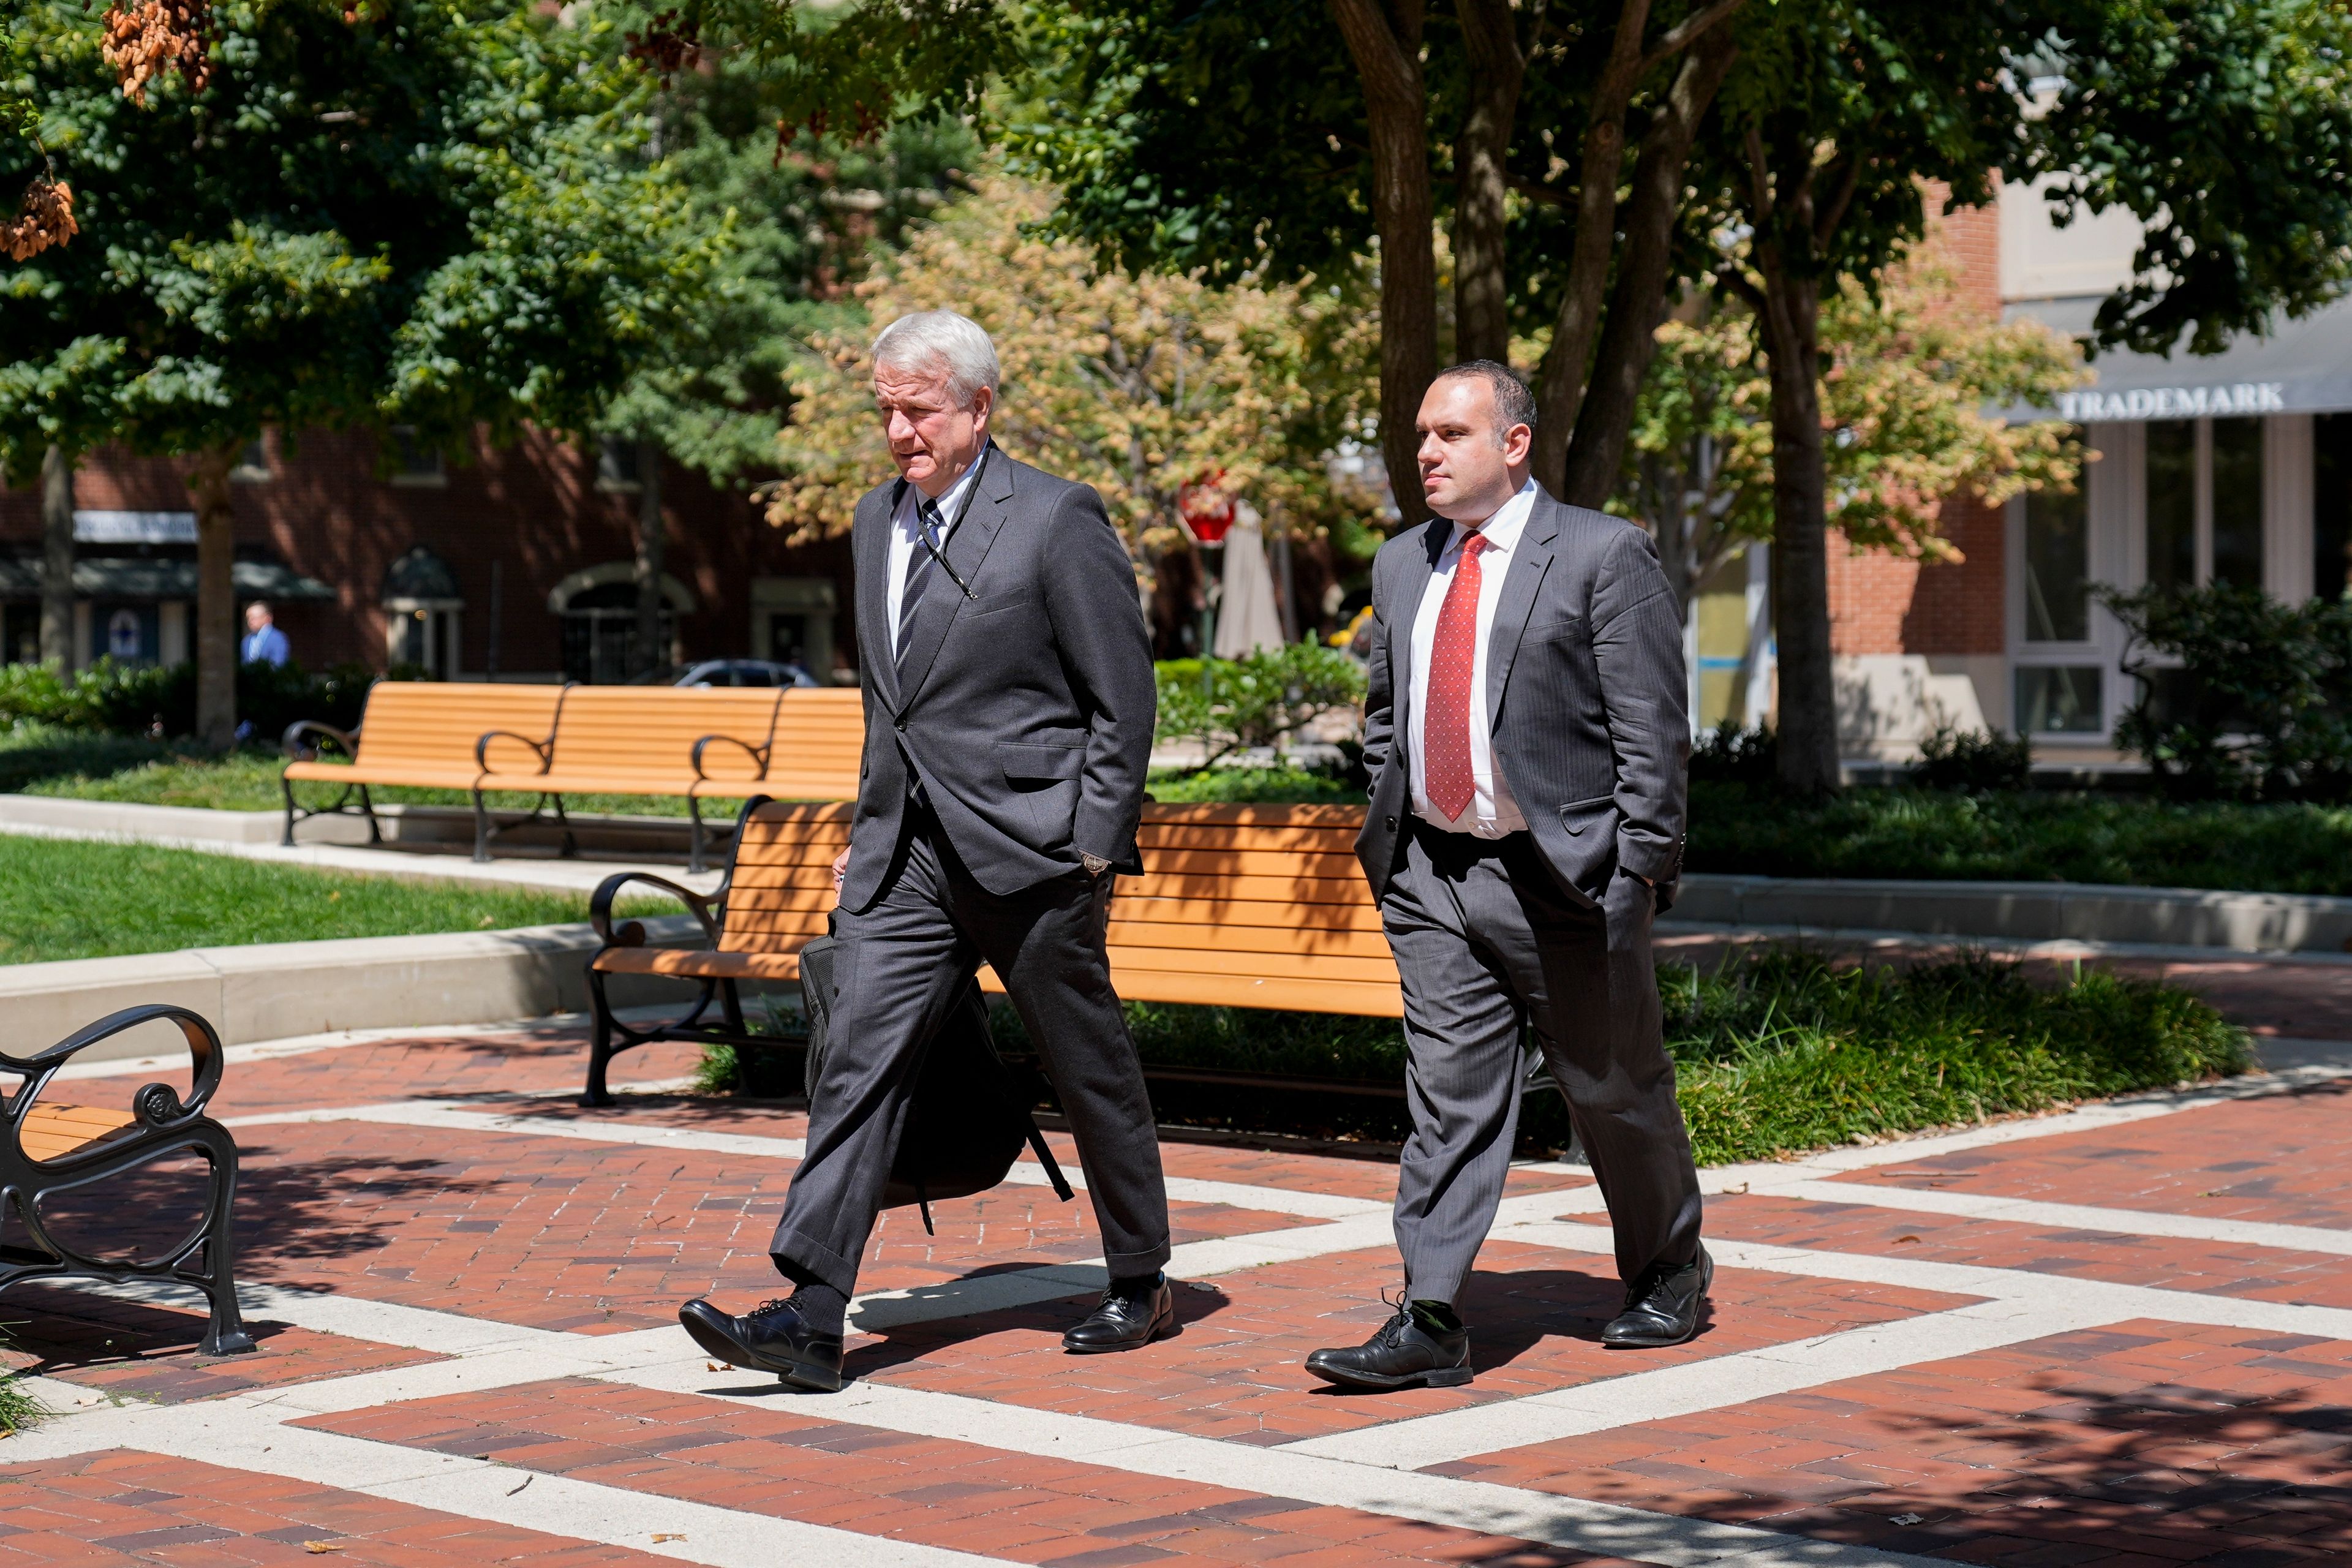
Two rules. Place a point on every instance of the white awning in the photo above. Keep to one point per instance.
(2301, 367)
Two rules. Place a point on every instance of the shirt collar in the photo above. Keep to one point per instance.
(1503, 529)
(952, 504)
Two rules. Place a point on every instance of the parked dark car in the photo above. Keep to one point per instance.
(728, 672)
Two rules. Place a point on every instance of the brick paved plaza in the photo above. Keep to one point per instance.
(2117, 1336)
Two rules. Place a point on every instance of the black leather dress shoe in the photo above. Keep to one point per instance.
(1404, 1354)
(771, 1337)
(1124, 1320)
(1663, 1308)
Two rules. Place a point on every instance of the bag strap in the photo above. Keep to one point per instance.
(1045, 1158)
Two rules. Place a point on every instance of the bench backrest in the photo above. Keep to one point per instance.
(1244, 905)
(1252, 905)
(647, 733)
(820, 735)
(781, 891)
(435, 723)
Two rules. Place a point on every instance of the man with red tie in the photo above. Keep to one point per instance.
(1529, 746)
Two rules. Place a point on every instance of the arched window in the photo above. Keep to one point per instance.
(422, 608)
(599, 611)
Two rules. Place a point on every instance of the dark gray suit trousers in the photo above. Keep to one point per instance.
(1486, 940)
(902, 960)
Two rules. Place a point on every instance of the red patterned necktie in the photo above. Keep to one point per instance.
(1453, 663)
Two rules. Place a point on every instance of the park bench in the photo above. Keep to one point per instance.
(698, 743)
(424, 734)
(50, 1148)
(1243, 906)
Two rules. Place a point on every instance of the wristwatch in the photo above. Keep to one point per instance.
(1095, 864)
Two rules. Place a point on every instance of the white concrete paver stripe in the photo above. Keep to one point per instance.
(232, 1431)
(2073, 1216)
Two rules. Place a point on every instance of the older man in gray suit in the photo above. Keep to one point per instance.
(1528, 743)
(1009, 711)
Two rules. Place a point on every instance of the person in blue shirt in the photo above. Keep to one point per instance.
(264, 643)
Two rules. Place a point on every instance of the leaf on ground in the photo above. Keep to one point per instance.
(669, 1538)
(316, 1547)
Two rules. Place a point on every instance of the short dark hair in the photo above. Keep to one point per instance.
(1513, 404)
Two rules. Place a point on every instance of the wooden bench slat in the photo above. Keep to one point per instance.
(51, 1131)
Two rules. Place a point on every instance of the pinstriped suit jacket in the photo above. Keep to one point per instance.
(1585, 699)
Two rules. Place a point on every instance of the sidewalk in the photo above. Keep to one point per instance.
(2121, 1336)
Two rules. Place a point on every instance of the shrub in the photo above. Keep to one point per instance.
(1729, 754)
(1973, 762)
(1230, 705)
(159, 700)
(2258, 704)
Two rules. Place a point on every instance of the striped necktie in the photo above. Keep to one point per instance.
(920, 566)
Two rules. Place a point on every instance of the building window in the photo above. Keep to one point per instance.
(2205, 503)
(253, 465)
(415, 463)
(2331, 506)
(600, 635)
(616, 465)
(2060, 700)
(2057, 566)
(421, 613)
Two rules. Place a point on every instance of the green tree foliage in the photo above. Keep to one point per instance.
(446, 217)
(2224, 126)
(1549, 141)
(1907, 372)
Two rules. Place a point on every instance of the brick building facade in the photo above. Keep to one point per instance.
(520, 563)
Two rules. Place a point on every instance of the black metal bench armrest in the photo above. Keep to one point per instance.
(631, 933)
(545, 749)
(156, 1104)
(759, 755)
(292, 742)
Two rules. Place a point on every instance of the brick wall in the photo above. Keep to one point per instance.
(534, 508)
(1879, 603)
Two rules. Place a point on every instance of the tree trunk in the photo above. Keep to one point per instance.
(1604, 418)
(651, 541)
(1386, 46)
(1482, 322)
(216, 636)
(1800, 574)
(58, 558)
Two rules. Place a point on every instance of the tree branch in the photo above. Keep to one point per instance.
(1689, 31)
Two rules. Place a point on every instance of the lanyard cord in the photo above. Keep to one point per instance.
(970, 494)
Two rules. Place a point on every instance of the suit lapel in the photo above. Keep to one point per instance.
(872, 564)
(1529, 564)
(967, 547)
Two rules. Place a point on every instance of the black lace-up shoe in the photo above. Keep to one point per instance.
(1663, 1308)
(1124, 1320)
(1404, 1354)
(771, 1337)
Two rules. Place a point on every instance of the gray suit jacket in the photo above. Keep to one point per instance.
(1585, 699)
(1027, 709)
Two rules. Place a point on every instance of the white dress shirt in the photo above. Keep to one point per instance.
(907, 540)
(1492, 813)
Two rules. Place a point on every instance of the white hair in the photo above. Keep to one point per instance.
(930, 341)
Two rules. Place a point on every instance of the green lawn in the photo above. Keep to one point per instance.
(64, 899)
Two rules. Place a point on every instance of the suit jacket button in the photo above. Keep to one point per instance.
(901, 724)
(1392, 824)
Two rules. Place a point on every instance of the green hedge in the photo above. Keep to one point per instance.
(1778, 1051)
(159, 700)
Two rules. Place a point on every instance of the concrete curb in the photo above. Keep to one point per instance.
(273, 991)
(2026, 911)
